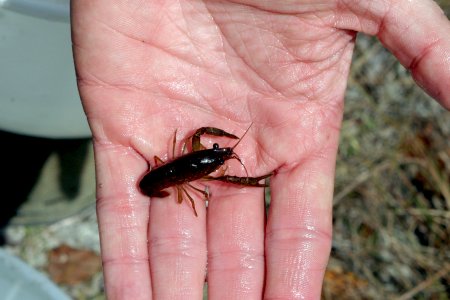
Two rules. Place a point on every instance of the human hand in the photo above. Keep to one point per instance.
(147, 68)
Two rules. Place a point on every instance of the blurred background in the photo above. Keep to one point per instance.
(47, 217)
(392, 192)
(392, 195)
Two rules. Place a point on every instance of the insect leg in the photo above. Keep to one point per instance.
(157, 159)
(196, 145)
(173, 143)
(190, 199)
(179, 195)
(247, 181)
(222, 170)
(184, 148)
(205, 193)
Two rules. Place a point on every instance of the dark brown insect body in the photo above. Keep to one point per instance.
(188, 167)
(193, 166)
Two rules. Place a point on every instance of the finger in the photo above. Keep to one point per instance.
(123, 221)
(416, 32)
(298, 232)
(177, 247)
(236, 243)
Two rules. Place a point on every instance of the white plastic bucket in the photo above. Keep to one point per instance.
(38, 94)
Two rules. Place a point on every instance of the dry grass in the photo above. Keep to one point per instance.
(392, 196)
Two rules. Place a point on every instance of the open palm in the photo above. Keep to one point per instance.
(148, 68)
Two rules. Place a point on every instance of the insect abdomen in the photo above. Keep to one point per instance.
(189, 167)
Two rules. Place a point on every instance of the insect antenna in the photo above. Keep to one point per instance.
(232, 148)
